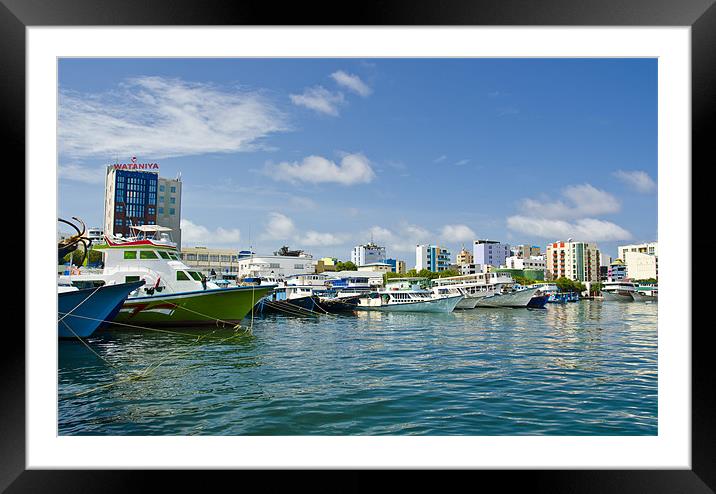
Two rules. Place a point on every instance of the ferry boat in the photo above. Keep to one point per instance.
(173, 294)
(493, 289)
(514, 298)
(646, 293)
(618, 291)
(408, 300)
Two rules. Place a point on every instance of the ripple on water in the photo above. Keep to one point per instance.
(587, 368)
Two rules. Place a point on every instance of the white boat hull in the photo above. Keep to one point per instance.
(445, 304)
(640, 297)
(617, 296)
(515, 299)
(467, 303)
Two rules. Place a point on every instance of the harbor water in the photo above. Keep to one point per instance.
(582, 368)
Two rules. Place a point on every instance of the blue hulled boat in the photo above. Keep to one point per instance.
(81, 312)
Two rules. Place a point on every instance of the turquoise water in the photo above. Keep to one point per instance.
(584, 368)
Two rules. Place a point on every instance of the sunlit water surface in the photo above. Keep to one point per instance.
(584, 368)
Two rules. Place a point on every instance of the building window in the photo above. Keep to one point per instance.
(171, 211)
(161, 198)
(161, 210)
(172, 189)
(191, 257)
(203, 257)
(172, 200)
(161, 188)
(119, 208)
(118, 221)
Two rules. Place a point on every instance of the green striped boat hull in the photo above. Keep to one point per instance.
(205, 307)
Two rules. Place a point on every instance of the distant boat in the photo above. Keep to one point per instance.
(81, 312)
(646, 293)
(408, 301)
(618, 291)
(517, 298)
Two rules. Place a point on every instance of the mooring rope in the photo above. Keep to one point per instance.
(85, 300)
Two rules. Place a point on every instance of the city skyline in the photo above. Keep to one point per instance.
(326, 154)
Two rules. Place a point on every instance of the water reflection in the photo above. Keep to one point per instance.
(578, 368)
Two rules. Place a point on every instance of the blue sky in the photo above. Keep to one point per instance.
(320, 154)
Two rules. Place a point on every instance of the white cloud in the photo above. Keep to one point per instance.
(403, 239)
(319, 99)
(194, 234)
(440, 159)
(462, 162)
(581, 200)
(80, 173)
(313, 238)
(160, 117)
(457, 233)
(353, 169)
(637, 179)
(279, 227)
(585, 229)
(352, 82)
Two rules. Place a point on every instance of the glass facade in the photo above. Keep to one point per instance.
(135, 200)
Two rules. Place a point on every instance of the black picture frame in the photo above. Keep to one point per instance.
(700, 15)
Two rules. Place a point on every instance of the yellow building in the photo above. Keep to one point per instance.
(464, 257)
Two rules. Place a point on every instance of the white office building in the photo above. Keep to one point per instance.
(532, 262)
(490, 252)
(362, 255)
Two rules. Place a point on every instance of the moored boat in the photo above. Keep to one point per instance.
(408, 301)
(517, 298)
(174, 294)
(81, 312)
(618, 291)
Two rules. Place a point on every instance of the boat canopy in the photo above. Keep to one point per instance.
(150, 228)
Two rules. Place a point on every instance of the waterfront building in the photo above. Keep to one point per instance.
(367, 254)
(432, 257)
(525, 250)
(396, 265)
(169, 206)
(651, 248)
(277, 265)
(578, 261)
(640, 266)
(378, 267)
(222, 263)
(490, 252)
(95, 234)
(531, 262)
(472, 268)
(131, 198)
(642, 260)
(464, 257)
(617, 271)
(326, 264)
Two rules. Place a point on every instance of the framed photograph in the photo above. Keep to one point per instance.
(424, 238)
